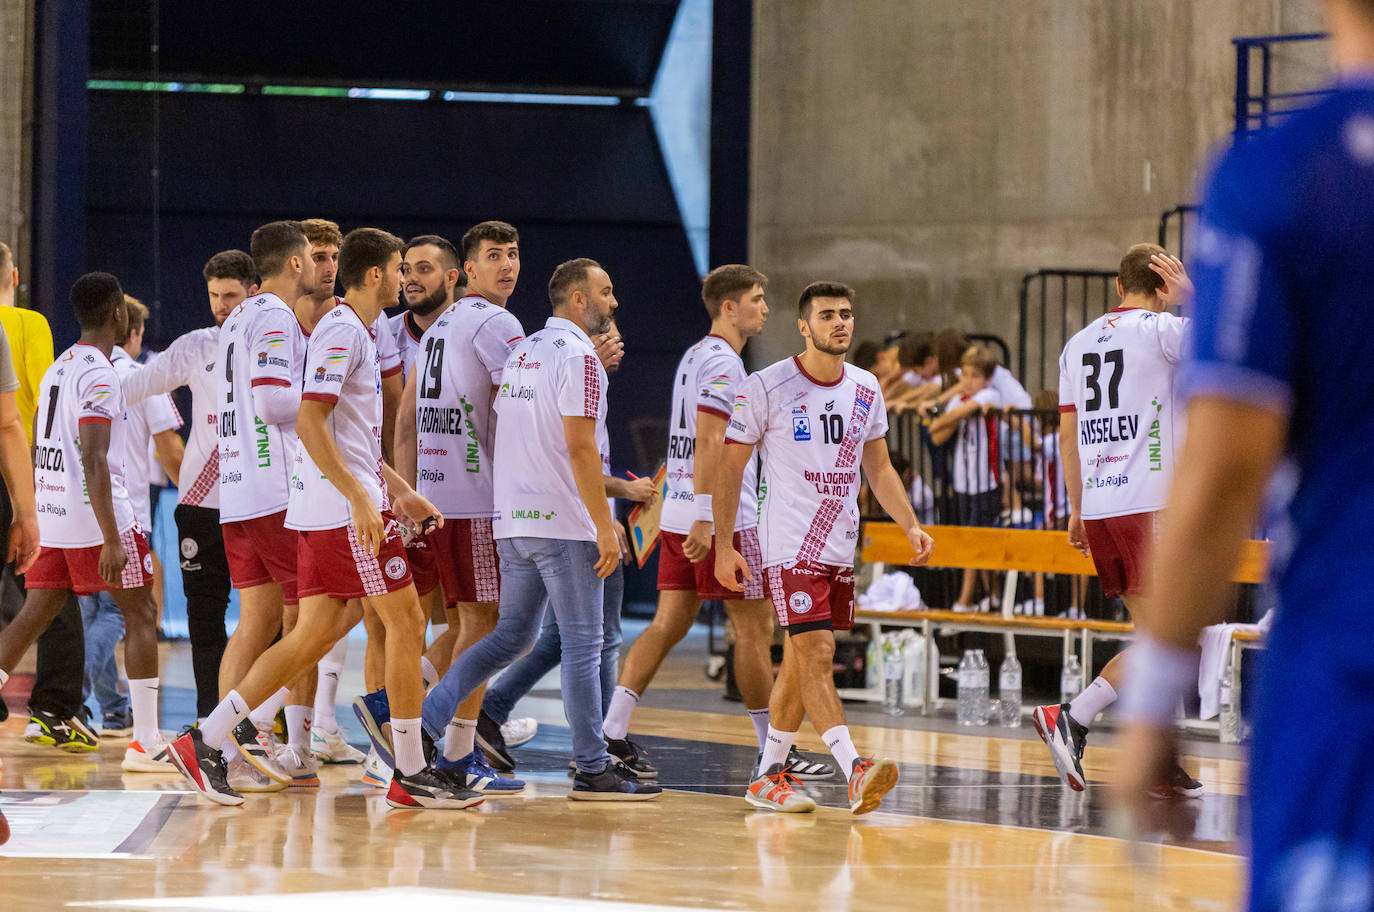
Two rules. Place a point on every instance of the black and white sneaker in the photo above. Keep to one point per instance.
(493, 743)
(428, 789)
(1066, 739)
(203, 766)
(257, 748)
(611, 784)
(1178, 785)
(630, 756)
(804, 768)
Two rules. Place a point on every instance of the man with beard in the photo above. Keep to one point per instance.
(815, 421)
(230, 277)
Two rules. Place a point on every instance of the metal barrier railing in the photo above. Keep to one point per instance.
(1055, 304)
(1258, 107)
(1173, 228)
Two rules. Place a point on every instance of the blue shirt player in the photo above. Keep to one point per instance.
(1279, 388)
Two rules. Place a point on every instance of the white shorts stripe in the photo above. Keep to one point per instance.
(753, 556)
(369, 571)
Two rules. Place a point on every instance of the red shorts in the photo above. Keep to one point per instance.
(675, 571)
(465, 554)
(261, 551)
(334, 563)
(423, 567)
(808, 595)
(1121, 547)
(78, 569)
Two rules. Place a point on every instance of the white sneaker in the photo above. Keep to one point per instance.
(518, 731)
(300, 764)
(244, 776)
(375, 772)
(330, 747)
(151, 759)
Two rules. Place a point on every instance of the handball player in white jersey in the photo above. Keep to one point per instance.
(90, 537)
(815, 421)
(1119, 430)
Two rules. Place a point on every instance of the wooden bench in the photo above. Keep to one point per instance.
(1013, 551)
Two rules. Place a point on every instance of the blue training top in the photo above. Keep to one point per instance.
(1284, 271)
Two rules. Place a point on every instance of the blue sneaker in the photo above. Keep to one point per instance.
(479, 775)
(374, 712)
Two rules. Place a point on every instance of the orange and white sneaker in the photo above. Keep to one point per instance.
(775, 790)
(869, 782)
(150, 759)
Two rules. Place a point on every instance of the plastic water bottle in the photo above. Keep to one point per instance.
(1009, 691)
(1230, 722)
(980, 698)
(967, 686)
(892, 675)
(1070, 679)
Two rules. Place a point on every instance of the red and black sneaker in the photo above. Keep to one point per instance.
(1178, 785)
(869, 782)
(1066, 739)
(429, 790)
(203, 766)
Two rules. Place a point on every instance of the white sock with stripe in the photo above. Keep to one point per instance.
(760, 719)
(460, 738)
(327, 690)
(298, 726)
(841, 748)
(143, 699)
(775, 748)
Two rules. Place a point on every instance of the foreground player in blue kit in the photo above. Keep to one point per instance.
(1279, 388)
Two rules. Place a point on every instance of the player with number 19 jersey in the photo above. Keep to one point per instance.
(460, 360)
(811, 436)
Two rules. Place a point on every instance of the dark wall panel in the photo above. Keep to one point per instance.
(609, 46)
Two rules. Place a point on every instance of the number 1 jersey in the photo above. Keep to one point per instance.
(1117, 377)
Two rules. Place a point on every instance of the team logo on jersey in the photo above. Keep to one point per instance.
(262, 359)
(148, 564)
(335, 354)
(319, 375)
(396, 568)
(274, 339)
(829, 406)
(801, 426)
(800, 603)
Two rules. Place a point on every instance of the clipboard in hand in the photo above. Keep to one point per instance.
(643, 522)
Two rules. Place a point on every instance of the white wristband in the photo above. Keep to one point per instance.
(703, 503)
(1156, 678)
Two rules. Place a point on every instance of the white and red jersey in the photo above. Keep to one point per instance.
(706, 380)
(341, 367)
(1052, 486)
(1116, 379)
(975, 456)
(189, 361)
(261, 344)
(405, 334)
(551, 374)
(461, 360)
(811, 436)
(81, 386)
(142, 420)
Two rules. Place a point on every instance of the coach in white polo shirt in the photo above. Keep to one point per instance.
(553, 527)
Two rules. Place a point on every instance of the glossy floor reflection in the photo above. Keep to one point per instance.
(975, 823)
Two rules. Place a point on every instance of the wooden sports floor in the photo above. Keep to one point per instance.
(977, 821)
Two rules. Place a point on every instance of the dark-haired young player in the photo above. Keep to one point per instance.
(90, 536)
(815, 420)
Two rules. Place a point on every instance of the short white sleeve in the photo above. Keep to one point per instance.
(272, 332)
(749, 418)
(494, 340)
(719, 378)
(329, 358)
(161, 414)
(877, 425)
(388, 354)
(581, 386)
(98, 395)
(1171, 330)
(1067, 402)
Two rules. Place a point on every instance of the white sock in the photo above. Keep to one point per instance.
(623, 703)
(429, 675)
(327, 690)
(459, 738)
(775, 748)
(266, 714)
(405, 737)
(1096, 697)
(841, 748)
(232, 710)
(436, 631)
(298, 725)
(760, 719)
(143, 699)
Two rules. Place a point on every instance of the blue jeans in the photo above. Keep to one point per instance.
(532, 569)
(104, 629)
(521, 677)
